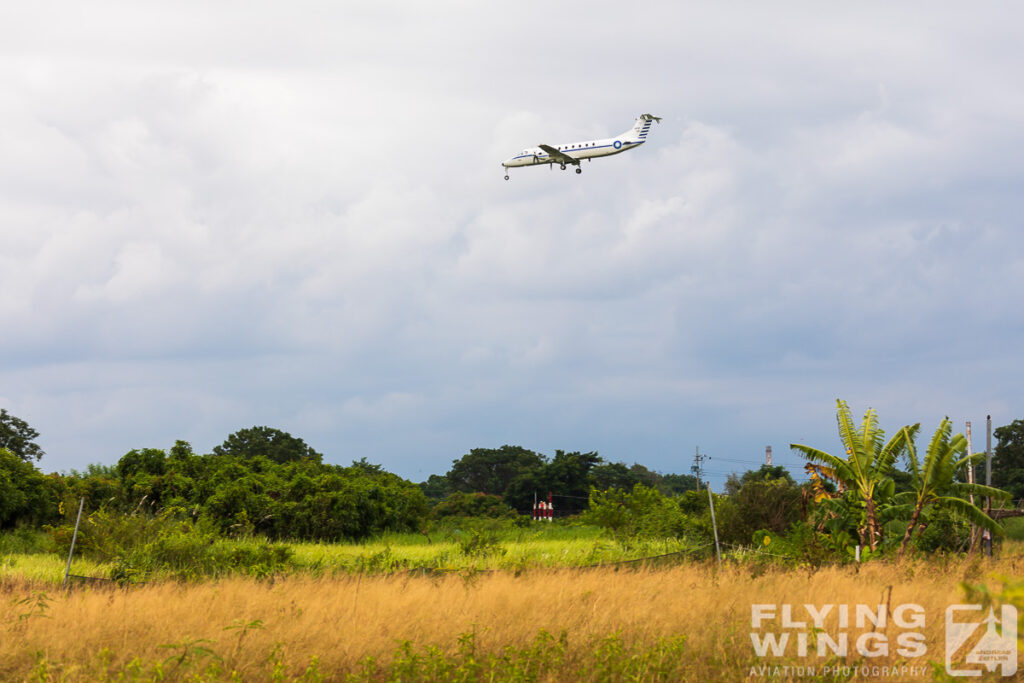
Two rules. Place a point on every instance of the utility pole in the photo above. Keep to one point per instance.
(970, 466)
(698, 471)
(988, 451)
(698, 466)
(74, 537)
(714, 525)
(988, 480)
(970, 480)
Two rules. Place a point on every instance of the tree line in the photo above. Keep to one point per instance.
(520, 476)
(259, 481)
(264, 481)
(880, 494)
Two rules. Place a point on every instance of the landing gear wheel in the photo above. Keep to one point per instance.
(563, 167)
(579, 170)
(506, 177)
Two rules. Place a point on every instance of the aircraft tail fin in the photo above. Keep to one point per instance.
(643, 126)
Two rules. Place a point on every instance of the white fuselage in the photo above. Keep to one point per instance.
(577, 150)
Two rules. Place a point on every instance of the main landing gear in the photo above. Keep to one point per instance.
(551, 165)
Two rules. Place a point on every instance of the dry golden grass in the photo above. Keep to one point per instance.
(340, 621)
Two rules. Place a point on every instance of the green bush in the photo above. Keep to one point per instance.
(480, 543)
(800, 543)
(25, 540)
(644, 512)
(944, 533)
(241, 496)
(472, 505)
(143, 546)
(772, 505)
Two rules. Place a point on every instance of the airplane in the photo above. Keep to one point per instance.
(575, 152)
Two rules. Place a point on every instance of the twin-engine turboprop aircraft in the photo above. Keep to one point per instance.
(575, 152)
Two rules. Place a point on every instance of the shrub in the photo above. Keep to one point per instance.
(24, 540)
(141, 546)
(480, 543)
(647, 513)
(769, 505)
(473, 505)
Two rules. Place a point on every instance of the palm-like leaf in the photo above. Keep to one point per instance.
(840, 467)
(963, 490)
(901, 442)
(869, 460)
(972, 513)
(935, 485)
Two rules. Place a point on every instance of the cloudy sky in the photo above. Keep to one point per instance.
(219, 215)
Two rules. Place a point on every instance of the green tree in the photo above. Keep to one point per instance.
(492, 470)
(26, 495)
(677, 484)
(144, 461)
(935, 486)
(733, 484)
(461, 504)
(18, 437)
(762, 505)
(1008, 459)
(141, 473)
(642, 511)
(613, 475)
(436, 487)
(865, 470)
(568, 477)
(278, 446)
(645, 476)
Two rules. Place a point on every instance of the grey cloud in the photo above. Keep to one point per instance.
(213, 217)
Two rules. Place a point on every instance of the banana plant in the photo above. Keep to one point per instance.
(935, 486)
(864, 473)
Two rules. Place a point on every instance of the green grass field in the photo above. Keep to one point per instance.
(471, 546)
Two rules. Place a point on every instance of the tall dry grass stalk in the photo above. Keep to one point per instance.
(340, 621)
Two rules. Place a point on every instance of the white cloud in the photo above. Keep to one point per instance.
(213, 217)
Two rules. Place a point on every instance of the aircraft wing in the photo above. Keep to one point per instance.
(560, 157)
